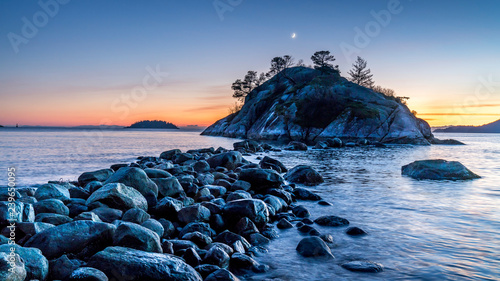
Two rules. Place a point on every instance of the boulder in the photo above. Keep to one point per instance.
(363, 266)
(305, 175)
(169, 186)
(119, 196)
(194, 213)
(52, 191)
(156, 173)
(296, 146)
(313, 247)
(108, 214)
(261, 179)
(7, 214)
(197, 226)
(304, 194)
(36, 265)
(222, 275)
(335, 142)
(135, 178)
(169, 154)
(254, 209)
(271, 163)
(168, 208)
(82, 238)
(355, 231)
(55, 206)
(438, 170)
(228, 160)
(62, 267)
(200, 239)
(88, 216)
(201, 166)
(137, 237)
(240, 185)
(12, 268)
(51, 218)
(331, 221)
(155, 226)
(284, 224)
(120, 263)
(99, 175)
(87, 274)
(136, 215)
(217, 256)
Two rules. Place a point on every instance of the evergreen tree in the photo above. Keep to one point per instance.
(360, 74)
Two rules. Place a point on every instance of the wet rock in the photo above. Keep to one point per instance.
(245, 227)
(137, 237)
(191, 257)
(304, 228)
(271, 163)
(197, 226)
(284, 224)
(116, 167)
(277, 203)
(78, 192)
(88, 216)
(282, 194)
(61, 268)
(92, 186)
(321, 145)
(32, 228)
(206, 269)
(307, 221)
(83, 238)
(355, 231)
(136, 215)
(200, 239)
(120, 263)
(182, 157)
(261, 179)
(305, 175)
(168, 228)
(12, 270)
(135, 178)
(169, 186)
(304, 194)
(87, 274)
(331, 221)
(242, 261)
(301, 212)
(201, 166)
(238, 194)
(438, 170)
(363, 266)
(156, 173)
(254, 209)
(217, 256)
(154, 226)
(313, 247)
(324, 203)
(270, 233)
(52, 191)
(222, 275)
(169, 154)
(335, 142)
(194, 213)
(54, 206)
(108, 214)
(119, 196)
(257, 239)
(223, 246)
(168, 208)
(36, 265)
(99, 175)
(240, 185)
(51, 218)
(296, 146)
(229, 238)
(229, 160)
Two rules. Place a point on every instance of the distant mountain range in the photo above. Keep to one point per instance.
(152, 124)
(493, 127)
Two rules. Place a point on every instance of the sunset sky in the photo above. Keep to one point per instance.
(65, 63)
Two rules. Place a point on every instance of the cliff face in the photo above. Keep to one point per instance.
(308, 105)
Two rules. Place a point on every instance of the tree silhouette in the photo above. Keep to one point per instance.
(323, 61)
(243, 87)
(360, 74)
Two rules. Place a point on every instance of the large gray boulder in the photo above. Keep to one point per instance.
(120, 263)
(82, 238)
(438, 170)
(254, 209)
(119, 196)
(169, 186)
(99, 175)
(305, 175)
(52, 191)
(134, 236)
(36, 265)
(261, 179)
(228, 160)
(55, 206)
(136, 178)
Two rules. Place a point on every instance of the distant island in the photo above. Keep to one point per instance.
(493, 127)
(152, 124)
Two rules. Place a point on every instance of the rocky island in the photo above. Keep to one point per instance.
(152, 124)
(493, 127)
(306, 104)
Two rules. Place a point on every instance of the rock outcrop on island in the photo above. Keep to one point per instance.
(309, 105)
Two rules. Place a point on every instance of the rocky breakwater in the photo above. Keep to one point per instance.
(199, 215)
(309, 105)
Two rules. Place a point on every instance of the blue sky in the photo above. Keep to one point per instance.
(90, 53)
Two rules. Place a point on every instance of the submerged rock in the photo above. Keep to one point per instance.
(363, 266)
(438, 170)
(331, 221)
(313, 247)
(304, 174)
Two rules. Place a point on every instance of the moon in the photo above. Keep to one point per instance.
(294, 35)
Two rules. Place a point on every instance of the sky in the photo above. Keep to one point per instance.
(93, 62)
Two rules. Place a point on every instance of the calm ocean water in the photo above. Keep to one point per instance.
(419, 230)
